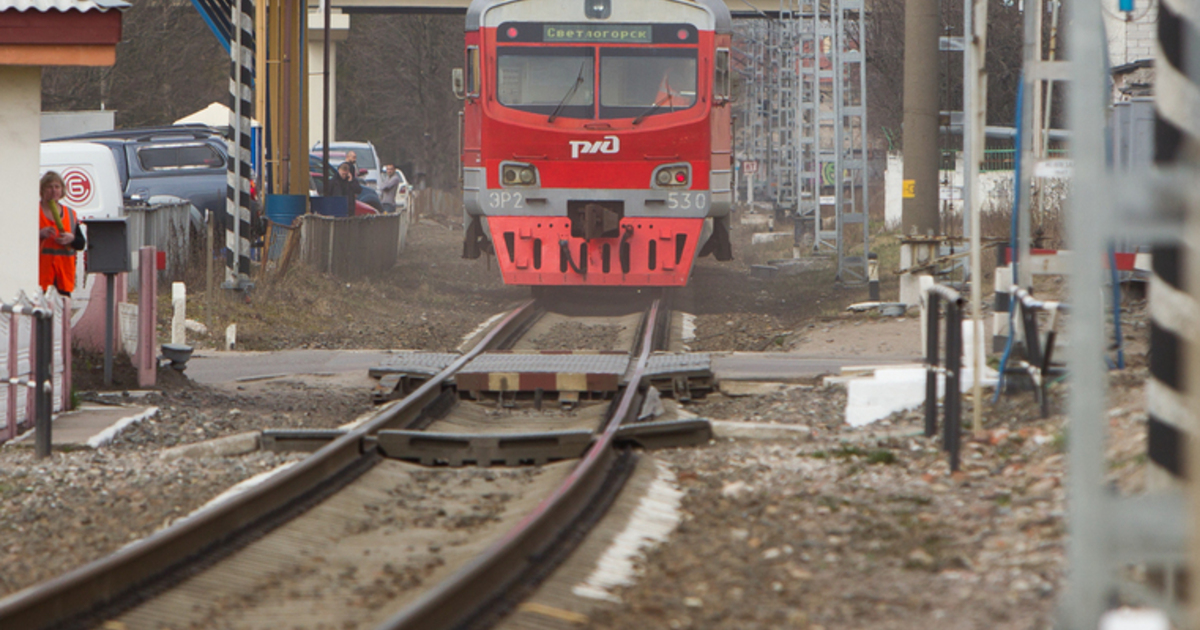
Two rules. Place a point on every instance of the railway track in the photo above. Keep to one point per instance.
(405, 521)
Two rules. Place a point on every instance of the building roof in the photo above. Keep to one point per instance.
(44, 6)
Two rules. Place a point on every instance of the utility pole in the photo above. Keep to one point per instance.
(921, 34)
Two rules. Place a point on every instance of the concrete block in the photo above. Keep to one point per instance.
(758, 430)
(735, 389)
(229, 446)
(1134, 619)
(763, 272)
(768, 237)
(755, 219)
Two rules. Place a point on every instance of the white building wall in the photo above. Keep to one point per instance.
(1130, 36)
(20, 142)
(339, 30)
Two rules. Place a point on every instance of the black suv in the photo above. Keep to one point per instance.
(186, 161)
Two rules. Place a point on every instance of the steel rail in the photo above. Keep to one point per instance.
(460, 600)
(79, 594)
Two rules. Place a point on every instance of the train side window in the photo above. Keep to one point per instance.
(472, 71)
(722, 81)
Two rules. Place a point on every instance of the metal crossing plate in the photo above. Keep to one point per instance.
(682, 376)
(681, 363)
(426, 363)
(548, 371)
(600, 363)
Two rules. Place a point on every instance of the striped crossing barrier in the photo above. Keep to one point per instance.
(241, 105)
(1172, 311)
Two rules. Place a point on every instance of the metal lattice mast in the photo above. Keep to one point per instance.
(850, 137)
(808, 183)
(826, 112)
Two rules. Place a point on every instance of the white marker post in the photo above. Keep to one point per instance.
(179, 314)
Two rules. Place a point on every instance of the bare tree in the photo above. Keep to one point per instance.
(394, 90)
(885, 65)
(168, 65)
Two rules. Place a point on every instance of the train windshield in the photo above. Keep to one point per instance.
(640, 82)
(557, 82)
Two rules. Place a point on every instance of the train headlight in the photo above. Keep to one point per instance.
(597, 9)
(672, 176)
(516, 174)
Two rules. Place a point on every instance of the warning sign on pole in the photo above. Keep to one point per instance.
(910, 189)
(750, 166)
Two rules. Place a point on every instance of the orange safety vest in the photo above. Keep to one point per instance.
(56, 263)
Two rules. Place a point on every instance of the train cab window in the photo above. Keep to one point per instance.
(637, 82)
(722, 81)
(553, 81)
(473, 71)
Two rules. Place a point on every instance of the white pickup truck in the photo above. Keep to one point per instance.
(93, 188)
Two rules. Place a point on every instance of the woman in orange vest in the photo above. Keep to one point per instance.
(60, 235)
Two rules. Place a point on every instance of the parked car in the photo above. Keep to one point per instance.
(316, 189)
(186, 161)
(368, 158)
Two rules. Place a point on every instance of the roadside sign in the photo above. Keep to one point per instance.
(910, 189)
(750, 166)
(1054, 168)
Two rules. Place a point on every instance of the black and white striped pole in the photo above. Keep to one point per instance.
(873, 277)
(241, 97)
(1171, 307)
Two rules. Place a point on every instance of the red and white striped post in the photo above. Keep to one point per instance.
(146, 356)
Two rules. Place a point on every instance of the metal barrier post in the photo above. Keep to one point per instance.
(13, 347)
(953, 414)
(932, 303)
(110, 281)
(43, 390)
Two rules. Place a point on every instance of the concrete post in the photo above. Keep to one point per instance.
(921, 32)
(178, 313)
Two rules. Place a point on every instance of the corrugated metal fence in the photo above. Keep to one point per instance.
(351, 248)
(432, 202)
(164, 224)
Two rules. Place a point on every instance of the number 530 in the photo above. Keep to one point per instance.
(686, 200)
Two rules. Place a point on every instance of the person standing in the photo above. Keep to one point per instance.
(61, 236)
(352, 160)
(344, 184)
(388, 188)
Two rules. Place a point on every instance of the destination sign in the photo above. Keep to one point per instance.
(603, 34)
(560, 33)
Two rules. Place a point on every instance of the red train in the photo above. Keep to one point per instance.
(596, 145)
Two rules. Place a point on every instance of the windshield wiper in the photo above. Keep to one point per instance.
(668, 97)
(570, 93)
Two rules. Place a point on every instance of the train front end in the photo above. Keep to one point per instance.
(596, 139)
